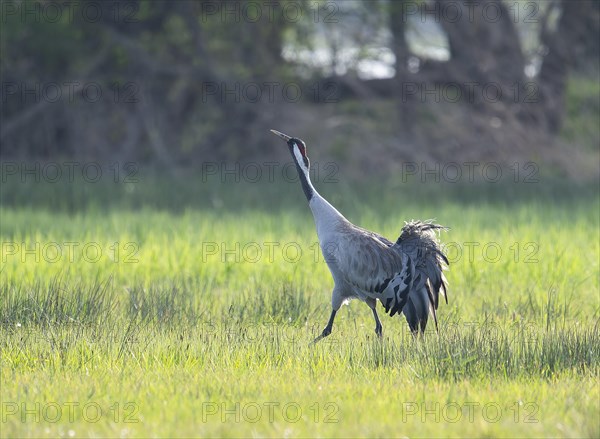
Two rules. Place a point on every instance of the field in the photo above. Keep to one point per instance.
(184, 307)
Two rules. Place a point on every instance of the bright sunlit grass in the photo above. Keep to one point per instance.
(133, 318)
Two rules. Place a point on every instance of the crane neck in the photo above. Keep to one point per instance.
(307, 187)
(324, 213)
(327, 218)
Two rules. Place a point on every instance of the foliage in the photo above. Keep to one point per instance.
(183, 82)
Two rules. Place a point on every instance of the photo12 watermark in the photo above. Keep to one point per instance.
(470, 172)
(268, 11)
(70, 11)
(268, 172)
(270, 411)
(69, 172)
(470, 92)
(68, 412)
(69, 92)
(469, 411)
(268, 92)
(53, 252)
(469, 11)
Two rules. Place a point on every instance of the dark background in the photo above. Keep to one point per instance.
(369, 83)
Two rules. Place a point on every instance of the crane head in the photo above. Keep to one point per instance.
(297, 148)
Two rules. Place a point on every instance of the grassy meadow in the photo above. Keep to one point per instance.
(184, 307)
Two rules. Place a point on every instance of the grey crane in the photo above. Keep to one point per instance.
(405, 276)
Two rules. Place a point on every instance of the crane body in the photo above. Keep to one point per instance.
(405, 276)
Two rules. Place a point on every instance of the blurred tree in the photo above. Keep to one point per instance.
(402, 53)
(572, 43)
(177, 78)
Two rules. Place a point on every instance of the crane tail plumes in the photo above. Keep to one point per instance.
(420, 242)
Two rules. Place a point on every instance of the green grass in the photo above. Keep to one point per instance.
(195, 318)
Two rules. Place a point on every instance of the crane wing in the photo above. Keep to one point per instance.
(419, 241)
(372, 264)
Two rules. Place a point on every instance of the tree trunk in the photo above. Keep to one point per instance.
(406, 108)
(561, 45)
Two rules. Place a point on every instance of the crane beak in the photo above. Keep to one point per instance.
(283, 136)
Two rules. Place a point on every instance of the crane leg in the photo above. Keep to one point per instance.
(378, 326)
(328, 328)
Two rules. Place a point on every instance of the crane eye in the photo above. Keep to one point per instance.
(302, 149)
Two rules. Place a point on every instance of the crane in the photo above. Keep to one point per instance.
(406, 276)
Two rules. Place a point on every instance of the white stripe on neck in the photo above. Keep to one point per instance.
(300, 160)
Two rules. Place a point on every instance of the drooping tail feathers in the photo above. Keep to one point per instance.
(419, 241)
